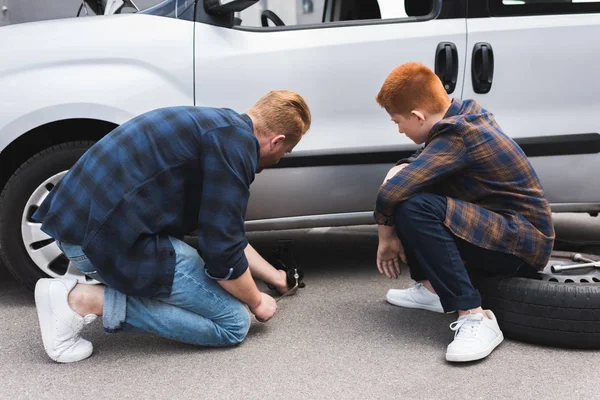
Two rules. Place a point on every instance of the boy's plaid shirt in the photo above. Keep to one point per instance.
(495, 199)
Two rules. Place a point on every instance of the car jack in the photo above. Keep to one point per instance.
(283, 258)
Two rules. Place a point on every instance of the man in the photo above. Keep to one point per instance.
(120, 214)
(470, 197)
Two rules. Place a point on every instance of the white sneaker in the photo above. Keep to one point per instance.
(417, 296)
(475, 338)
(59, 324)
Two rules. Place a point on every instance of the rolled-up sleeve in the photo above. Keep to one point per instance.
(443, 156)
(228, 168)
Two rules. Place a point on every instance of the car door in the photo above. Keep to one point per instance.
(338, 65)
(534, 63)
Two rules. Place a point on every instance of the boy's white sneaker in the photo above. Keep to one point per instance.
(59, 324)
(475, 337)
(417, 296)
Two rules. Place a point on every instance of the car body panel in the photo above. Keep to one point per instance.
(138, 63)
(544, 84)
(339, 71)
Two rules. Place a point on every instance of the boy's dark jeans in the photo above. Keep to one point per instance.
(435, 254)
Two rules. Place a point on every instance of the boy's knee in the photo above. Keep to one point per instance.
(421, 204)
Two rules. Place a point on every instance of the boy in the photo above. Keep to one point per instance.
(470, 197)
(121, 212)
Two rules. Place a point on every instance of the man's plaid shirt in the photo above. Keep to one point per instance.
(164, 173)
(495, 199)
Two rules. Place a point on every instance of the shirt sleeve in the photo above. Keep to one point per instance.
(229, 161)
(411, 158)
(445, 155)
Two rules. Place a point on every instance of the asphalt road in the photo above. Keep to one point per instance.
(336, 339)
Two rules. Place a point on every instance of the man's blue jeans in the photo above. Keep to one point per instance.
(198, 311)
(435, 254)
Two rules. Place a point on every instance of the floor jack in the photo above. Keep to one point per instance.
(283, 258)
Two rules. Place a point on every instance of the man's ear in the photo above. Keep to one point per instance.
(277, 141)
(420, 116)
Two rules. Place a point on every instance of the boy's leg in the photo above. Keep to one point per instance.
(419, 223)
(419, 295)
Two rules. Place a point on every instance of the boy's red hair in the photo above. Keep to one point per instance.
(413, 86)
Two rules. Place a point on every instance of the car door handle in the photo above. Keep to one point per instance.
(446, 65)
(482, 67)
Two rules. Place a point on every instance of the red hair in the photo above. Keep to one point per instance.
(413, 86)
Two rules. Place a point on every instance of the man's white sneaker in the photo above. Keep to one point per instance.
(475, 337)
(417, 296)
(59, 324)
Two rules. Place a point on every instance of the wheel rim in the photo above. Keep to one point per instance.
(42, 249)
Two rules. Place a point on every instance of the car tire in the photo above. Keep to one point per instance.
(14, 200)
(559, 310)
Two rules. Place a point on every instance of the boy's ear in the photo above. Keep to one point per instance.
(420, 116)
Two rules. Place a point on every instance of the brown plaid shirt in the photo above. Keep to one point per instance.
(495, 199)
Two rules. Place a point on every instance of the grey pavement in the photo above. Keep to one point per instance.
(336, 339)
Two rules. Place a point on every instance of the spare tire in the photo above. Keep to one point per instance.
(557, 309)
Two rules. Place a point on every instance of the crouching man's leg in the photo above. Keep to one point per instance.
(198, 311)
(437, 261)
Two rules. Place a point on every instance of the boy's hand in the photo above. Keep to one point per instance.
(266, 309)
(389, 253)
(392, 172)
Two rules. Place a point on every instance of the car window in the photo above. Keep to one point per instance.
(98, 7)
(129, 6)
(541, 7)
(308, 12)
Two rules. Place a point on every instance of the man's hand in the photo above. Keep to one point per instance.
(392, 172)
(389, 252)
(266, 309)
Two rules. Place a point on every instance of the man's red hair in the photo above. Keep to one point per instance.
(413, 86)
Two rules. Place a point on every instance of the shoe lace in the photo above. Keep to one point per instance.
(466, 327)
(417, 286)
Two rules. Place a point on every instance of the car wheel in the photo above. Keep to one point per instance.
(28, 253)
(559, 309)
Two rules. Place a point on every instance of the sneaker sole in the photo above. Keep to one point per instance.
(45, 315)
(414, 305)
(476, 356)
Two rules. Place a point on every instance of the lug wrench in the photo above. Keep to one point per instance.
(560, 268)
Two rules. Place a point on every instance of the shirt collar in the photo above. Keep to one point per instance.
(246, 118)
(455, 108)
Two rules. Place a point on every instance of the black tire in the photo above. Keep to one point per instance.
(547, 313)
(14, 197)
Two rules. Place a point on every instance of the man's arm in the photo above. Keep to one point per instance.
(228, 163)
(263, 270)
(442, 157)
(244, 289)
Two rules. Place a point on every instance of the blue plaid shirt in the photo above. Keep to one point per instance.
(164, 173)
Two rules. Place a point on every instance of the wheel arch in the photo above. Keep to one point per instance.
(46, 136)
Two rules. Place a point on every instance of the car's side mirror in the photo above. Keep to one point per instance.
(222, 7)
